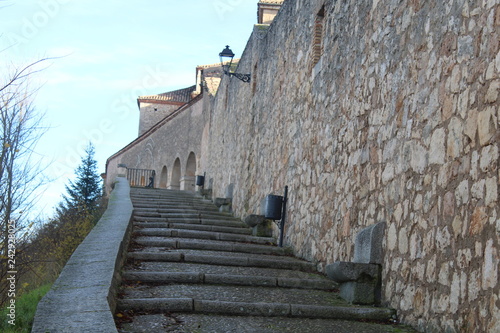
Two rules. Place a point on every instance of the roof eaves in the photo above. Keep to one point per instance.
(155, 127)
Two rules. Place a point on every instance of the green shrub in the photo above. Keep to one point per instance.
(25, 311)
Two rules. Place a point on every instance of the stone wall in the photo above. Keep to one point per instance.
(84, 296)
(396, 122)
(160, 147)
(152, 113)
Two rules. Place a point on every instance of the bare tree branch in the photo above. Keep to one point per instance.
(20, 175)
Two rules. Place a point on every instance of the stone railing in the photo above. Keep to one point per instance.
(83, 297)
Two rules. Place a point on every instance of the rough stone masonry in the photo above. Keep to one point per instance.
(370, 111)
(397, 122)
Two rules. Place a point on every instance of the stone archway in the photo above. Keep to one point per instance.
(164, 177)
(188, 181)
(175, 180)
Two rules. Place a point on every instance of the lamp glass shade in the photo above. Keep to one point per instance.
(225, 56)
(226, 53)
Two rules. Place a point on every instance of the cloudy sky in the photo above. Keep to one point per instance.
(106, 53)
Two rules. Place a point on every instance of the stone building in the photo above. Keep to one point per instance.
(370, 111)
(267, 10)
(156, 107)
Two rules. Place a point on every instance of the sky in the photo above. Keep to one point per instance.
(103, 55)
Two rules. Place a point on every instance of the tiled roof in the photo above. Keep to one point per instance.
(211, 84)
(271, 2)
(212, 75)
(176, 96)
(157, 126)
(235, 61)
(208, 66)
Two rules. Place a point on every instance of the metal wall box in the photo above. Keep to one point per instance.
(273, 207)
(200, 180)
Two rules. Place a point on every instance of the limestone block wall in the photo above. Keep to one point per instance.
(160, 148)
(397, 120)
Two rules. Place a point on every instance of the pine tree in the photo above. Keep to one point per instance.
(84, 195)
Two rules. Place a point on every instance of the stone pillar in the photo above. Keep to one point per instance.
(188, 183)
(122, 170)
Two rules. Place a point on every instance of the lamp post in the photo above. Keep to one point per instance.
(227, 56)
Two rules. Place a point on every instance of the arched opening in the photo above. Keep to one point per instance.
(175, 182)
(191, 165)
(164, 177)
(188, 181)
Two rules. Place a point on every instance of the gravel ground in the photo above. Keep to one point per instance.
(190, 323)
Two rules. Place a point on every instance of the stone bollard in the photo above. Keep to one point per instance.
(360, 280)
(122, 170)
(224, 204)
(261, 226)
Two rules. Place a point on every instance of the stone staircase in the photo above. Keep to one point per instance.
(191, 268)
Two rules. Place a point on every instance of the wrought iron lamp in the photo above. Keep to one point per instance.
(227, 56)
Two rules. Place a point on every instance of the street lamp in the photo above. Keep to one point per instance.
(227, 56)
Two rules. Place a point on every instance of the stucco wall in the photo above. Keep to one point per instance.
(152, 113)
(160, 147)
(398, 123)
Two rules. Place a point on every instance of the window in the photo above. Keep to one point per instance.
(254, 79)
(319, 23)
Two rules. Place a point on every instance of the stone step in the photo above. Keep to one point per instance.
(149, 219)
(260, 309)
(209, 217)
(187, 220)
(193, 200)
(223, 260)
(206, 216)
(180, 201)
(192, 226)
(205, 245)
(187, 201)
(192, 220)
(177, 210)
(208, 221)
(188, 259)
(193, 214)
(199, 322)
(165, 232)
(159, 191)
(182, 211)
(234, 292)
(171, 266)
(167, 194)
(171, 193)
(227, 279)
(167, 205)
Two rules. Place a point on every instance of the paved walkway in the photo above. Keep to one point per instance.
(191, 268)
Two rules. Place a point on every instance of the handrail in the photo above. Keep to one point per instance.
(141, 177)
